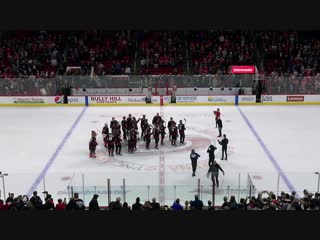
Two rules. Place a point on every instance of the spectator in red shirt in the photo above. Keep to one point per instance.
(61, 206)
(3, 206)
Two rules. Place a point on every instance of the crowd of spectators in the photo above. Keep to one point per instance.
(100, 52)
(45, 54)
(31, 53)
(213, 52)
(264, 201)
(161, 52)
(290, 53)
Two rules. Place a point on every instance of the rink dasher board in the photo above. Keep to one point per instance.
(55, 101)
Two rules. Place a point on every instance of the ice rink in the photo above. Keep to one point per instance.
(46, 148)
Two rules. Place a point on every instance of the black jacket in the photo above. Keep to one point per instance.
(36, 201)
(137, 206)
(211, 153)
(224, 142)
(94, 205)
(215, 168)
(197, 204)
(155, 206)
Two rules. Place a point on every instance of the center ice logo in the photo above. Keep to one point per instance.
(172, 165)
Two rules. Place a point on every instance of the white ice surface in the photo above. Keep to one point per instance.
(30, 136)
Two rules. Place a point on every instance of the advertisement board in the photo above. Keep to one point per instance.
(247, 99)
(117, 100)
(243, 69)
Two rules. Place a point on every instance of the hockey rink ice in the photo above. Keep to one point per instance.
(46, 148)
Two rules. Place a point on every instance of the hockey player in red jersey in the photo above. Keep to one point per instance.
(93, 144)
(217, 114)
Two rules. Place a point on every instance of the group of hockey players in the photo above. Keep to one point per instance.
(127, 131)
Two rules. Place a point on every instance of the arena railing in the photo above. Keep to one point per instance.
(53, 86)
(130, 185)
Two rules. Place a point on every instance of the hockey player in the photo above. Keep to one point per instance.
(211, 150)
(162, 131)
(156, 120)
(156, 133)
(116, 130)
(131, 140)
(93, 144)
(135, 138)
(169, 126)
(135, 123)
(181, 128)
(111, 141)
(224, 143)
(174, 134)
(217, 114)
(112, 123)
(143, 124)
(219, 122)
(129, 123)
(118, 145)
(105, 134)
(214, 170)
(147, 136)
(194, 157)
(124, 127)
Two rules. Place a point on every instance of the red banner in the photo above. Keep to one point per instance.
(243, 69)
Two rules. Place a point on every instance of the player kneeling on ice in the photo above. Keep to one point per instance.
(93, 144)
(214, 171)
(194, 158)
